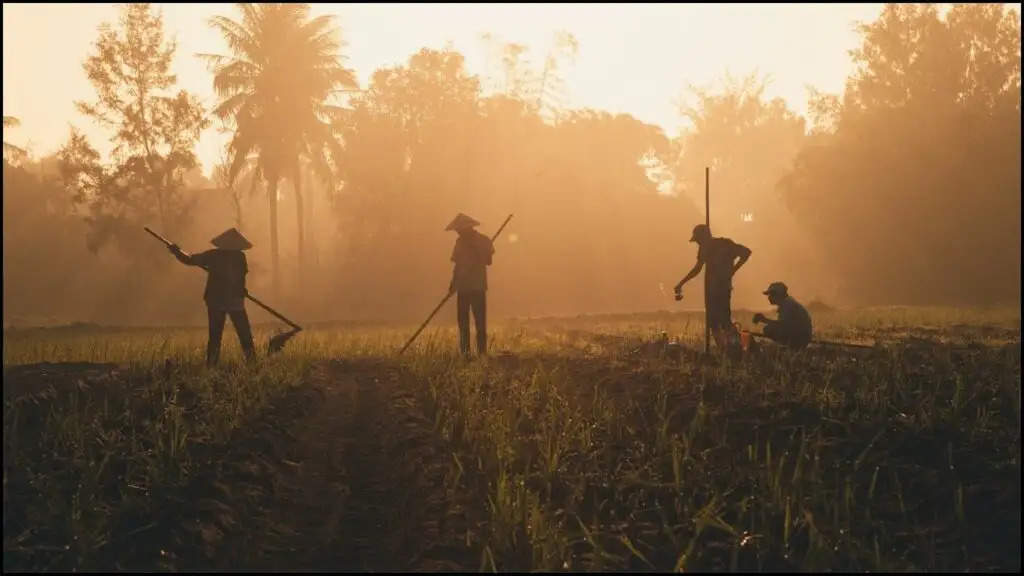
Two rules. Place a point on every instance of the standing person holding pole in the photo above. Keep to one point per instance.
(225, 289)
(723, 258)
(472, 255)
(277, 341)
(453, 226)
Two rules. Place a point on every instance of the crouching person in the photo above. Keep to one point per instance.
(226, 269)
(793, 328)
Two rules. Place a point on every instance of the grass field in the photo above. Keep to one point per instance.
(579, 444)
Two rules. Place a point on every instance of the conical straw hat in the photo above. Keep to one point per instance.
(462, 221)
(231, 239)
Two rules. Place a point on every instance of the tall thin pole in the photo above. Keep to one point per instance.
(707, 222)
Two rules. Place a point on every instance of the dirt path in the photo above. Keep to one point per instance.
(355, 483)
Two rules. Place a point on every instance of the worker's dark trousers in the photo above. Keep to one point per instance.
(477, 300)
(241, 321)
(720, 310)
(720, 318)
(788, 337)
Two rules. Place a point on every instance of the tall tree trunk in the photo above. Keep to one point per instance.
(160, 203)
(236, 196)
(253, 184)
(163, 213)
(300, 220)
(275, 269)
(314, 252)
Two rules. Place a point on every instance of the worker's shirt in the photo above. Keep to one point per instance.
(794, 319)
(719, 256)
(472, 255)
(225, 279)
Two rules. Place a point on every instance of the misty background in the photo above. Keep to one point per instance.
(904, 188)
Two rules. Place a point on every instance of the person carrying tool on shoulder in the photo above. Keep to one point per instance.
(472, 255)
(720, 255)
(225, 289)
(793, 328)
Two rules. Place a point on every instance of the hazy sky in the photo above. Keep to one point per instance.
(633, 58)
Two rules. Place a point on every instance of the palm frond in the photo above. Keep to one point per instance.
(240, 40)
(284, 68)
(234, 78)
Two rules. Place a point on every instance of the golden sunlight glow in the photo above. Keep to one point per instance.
(614, 69)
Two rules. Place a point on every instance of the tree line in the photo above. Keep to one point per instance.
(903, 189)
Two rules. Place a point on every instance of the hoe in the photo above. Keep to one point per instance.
(278, 340)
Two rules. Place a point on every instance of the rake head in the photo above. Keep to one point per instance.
(277, 341)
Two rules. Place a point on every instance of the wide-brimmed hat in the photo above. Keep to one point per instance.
(231, 239)
(701, 229)
(462, 221)
(776, 288)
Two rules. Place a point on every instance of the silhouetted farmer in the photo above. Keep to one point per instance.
(472, 256)
(720, 255)
(225, 289)
(793, 328)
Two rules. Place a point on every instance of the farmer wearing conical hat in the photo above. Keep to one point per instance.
(472, 255)
(225, 289)
(723, 258)
(793, 328)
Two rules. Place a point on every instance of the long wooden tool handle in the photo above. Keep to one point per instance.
(495, 237)
(821, 342)
(425, 322)
(449, 295)
(842, 344)
(272, 311)
(168, 243)
(158, 237)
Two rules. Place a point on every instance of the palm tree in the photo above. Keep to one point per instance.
(274, 88)
(12, 153)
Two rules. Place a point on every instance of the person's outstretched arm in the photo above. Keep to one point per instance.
(181, 256)
(193, 260)
(691, 274)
